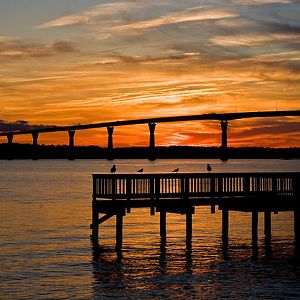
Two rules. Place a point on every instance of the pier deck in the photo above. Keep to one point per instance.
(116, 194)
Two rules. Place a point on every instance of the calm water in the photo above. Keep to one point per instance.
(45, 212)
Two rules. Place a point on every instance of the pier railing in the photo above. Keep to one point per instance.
(185, 185)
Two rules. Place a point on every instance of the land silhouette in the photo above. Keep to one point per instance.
(29, 151)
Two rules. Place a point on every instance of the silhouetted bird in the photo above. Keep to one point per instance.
(208, 168)
(176, 170)
(113, 169)
(141, 170)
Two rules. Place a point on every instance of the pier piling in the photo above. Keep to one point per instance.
(119, 230)
(297, 229)
(163, 231)
(254, 231)
(225, 224)
(95, 225)
(268, 226)
(188, 228)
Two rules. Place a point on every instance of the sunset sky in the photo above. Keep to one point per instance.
(66, 62)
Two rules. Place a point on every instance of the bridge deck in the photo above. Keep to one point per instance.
(211, 116)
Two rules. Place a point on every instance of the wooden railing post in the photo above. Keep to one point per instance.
(152, 211)
(128, 187)
(128, 191)
(186, 187)
(247, 185)
(220, 186)
(274, 184)
(212, 193)
(151, 188)
(157, 187)
(182, 185)
(113, 188)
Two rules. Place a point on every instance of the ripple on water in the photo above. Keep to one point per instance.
(46, 251)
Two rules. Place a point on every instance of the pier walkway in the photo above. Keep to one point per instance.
(117, 194)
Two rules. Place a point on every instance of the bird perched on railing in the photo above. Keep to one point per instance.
(141, 170)
(113, 169)
(176, 170)
(208, 168)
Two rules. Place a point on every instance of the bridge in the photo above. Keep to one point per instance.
(180, 193)
(223, 118)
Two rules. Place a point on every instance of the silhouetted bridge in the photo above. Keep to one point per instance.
(116, 194)
(224, 118)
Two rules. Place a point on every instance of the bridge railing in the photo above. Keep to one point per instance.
(151, 186)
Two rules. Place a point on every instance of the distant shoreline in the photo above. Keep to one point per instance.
(28, 151)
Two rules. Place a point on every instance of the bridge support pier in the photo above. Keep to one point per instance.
(224, 149)
(10, 138)
(152, 141)
(71, 145)
(9, 146)
(110, 131)
(34, 153)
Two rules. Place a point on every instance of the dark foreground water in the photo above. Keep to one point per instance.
(45, 212)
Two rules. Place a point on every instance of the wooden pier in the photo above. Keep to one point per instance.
(117, 194)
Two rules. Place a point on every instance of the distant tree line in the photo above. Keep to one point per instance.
(28, 151)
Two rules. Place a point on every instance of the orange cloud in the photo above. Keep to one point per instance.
(143, 59)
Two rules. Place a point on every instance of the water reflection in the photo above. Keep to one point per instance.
(189, 260)
(162, 257)
(162, 271)
(46, 254)
(107, 271)
(150, 273)
(268, 247)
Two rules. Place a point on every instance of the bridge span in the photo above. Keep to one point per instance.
(223, 118)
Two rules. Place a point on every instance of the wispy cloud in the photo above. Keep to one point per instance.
(179, 17)
(252, 39)
(19, 48)
(286, 56)
(260, 2)
(88, 16)
(125, 17)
